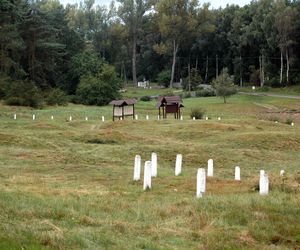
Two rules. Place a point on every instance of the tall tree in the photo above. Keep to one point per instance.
(132, 12)
(177, 20)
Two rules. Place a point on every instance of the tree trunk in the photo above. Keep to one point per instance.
(134, 80)
(281, 67)
(206, 70)
(287, 67)
(224, 99)
(217, 66)
(189, 69)
(261, 71)
(196, 67)
(241, 72)
(175, 48)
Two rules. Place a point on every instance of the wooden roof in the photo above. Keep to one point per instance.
(169, 100)
(121, 103)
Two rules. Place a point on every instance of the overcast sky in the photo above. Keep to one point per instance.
(214, 3)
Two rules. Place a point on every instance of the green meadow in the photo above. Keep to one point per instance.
(68, 184)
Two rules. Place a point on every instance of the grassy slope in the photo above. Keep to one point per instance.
(69, 185)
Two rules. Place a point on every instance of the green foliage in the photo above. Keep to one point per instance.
(198, 113)
(224, 85)
(289, 121)
(164, 77)
(195, 80)
(99, 89)
(23, 93)
(145, 98)
(57, 97)
(205, 93)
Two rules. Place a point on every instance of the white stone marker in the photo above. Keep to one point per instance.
(70, 118)
(194, 118)
(276, 121)
(201, 182)
(292, 124)
(86, 118)
(264, 184)
(103, 119)
(121, 118)
(178, 164)
(219, 118)
(210, 168)
(147, 175)
(253, 87)
(154, 164)
(261, 173)
(237, 173)
(137, 168)
(181, 118)
(282, 172)
(147, 117)
(15, 116)
(33, 117)
(158, 117)
(52, 117)
(136, 117)
(206, 118)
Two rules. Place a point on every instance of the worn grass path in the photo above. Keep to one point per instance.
(68, 185)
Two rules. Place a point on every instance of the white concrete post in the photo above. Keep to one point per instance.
(154, 164)
(178, 164)
(103, 119)
(264, 184)
(86, 118)
(210, 168)
(147, 175)
(33, 117)
(219, 118)
(70, 118)
(15, 116)
(237, 173)
(201, 182)
(282, 172)
(194, 118)
(147, 117)
(136, 117)
(158, 117)
(52, 117)
(181, 118)
(206, 118)
(137, 168)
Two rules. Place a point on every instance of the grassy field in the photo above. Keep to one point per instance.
(68, 185)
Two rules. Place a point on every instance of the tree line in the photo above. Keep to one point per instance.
(85, 49)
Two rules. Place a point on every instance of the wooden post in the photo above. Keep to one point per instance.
(133, 111)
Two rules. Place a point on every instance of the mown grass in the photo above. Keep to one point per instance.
(68, 185)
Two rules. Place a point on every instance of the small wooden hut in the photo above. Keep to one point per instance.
(122, 108)
(169, 104)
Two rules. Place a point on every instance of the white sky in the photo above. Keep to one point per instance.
(214, 3)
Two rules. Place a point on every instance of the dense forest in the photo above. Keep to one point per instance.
(48, 50)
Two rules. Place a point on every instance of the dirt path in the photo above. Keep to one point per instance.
(271, 94)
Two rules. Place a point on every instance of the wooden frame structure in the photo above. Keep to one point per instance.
(122, 108)
(169, 104)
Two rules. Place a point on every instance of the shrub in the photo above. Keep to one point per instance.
(100, 89)
(273, 82)
(263, 89)
(205, 93)
(57, 97)
(197, 113)
(289, 120)
(164, 77)
(196, 80)
(145, 98)
(23, 93)
(224, 85)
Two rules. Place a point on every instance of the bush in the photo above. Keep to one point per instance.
(224, 85)
(100, 89)
(289, 121)
(164, 77)
(196, 80)
(57, 97)
(197, 113)
(263, 89)
(145, 98)
(273, 82)
(23, 93)
(205, 93)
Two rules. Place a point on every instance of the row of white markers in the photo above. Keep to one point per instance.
(150, 170)
(103, 118)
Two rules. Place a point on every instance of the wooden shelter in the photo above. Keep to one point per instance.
(169, 104)
(122, 108)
